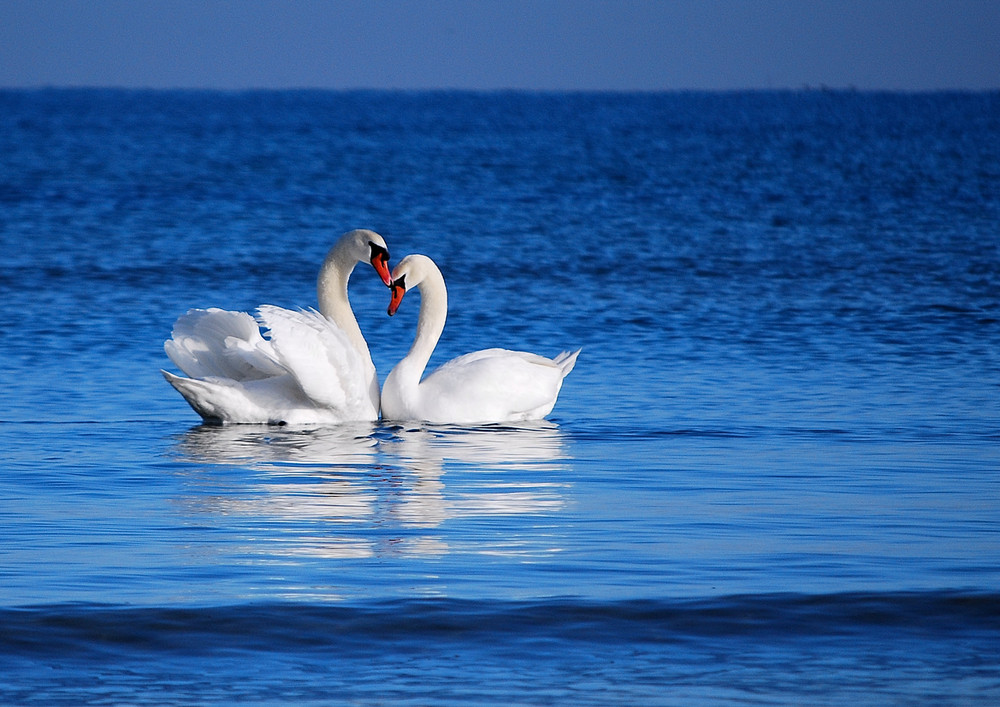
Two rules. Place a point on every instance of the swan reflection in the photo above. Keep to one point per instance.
(374, 489)
(258, 446)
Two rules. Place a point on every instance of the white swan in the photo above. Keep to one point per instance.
(314, 367)
(493, 385)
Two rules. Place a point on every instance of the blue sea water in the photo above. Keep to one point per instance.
(772, 478)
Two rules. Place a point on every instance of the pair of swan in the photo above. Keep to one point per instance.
(315, 367)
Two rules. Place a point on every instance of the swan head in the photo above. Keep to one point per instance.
(408, 273)
(398, 290)
(368, 246)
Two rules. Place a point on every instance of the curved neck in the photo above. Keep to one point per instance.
(433, 312)
(331, 294)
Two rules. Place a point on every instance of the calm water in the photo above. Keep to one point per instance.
(773, 476)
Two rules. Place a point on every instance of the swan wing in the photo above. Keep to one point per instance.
(321, 359)
(216, 343)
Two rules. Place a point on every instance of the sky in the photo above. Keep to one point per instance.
(647, 45)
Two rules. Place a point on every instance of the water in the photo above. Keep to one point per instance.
(771, 478)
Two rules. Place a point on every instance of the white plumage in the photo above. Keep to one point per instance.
(312, 368)
(492, 385)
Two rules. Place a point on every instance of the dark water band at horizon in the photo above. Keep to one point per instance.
(787, 648)
(268, 625)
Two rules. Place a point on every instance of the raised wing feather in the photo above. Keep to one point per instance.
(321, 359)
(216, 343)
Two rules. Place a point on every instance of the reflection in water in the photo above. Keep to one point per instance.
(372, 490)
(257, 445)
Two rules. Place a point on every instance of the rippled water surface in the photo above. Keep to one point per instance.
(771, 478)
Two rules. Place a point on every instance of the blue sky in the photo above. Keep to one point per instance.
(497, 44)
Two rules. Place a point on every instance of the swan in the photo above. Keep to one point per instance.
(314, 367)
(492, 385)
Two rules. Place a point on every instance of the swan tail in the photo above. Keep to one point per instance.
(225, 401)
(205, 398)
(566, 360)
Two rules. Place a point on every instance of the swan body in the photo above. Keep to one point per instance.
(314, 367)
(492, 385)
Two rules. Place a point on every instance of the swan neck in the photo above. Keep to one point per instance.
(433, 313)
(331, 294)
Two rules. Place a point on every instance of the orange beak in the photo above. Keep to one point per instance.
(398, 290)
(380, 261)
